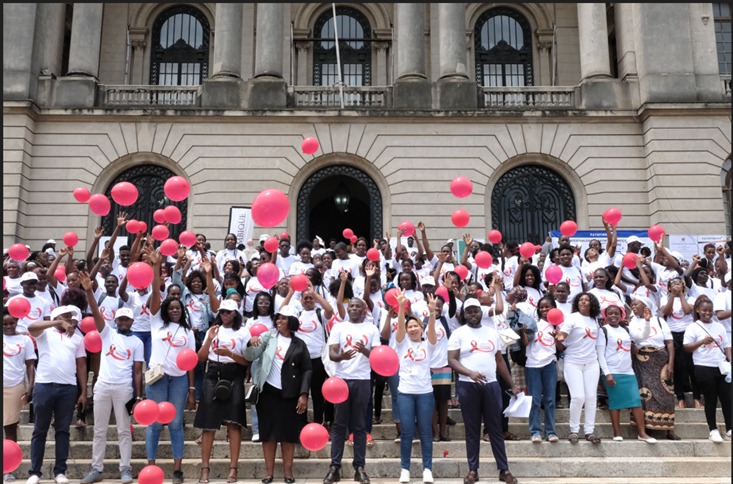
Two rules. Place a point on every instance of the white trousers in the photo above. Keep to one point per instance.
(108, 397)
(582, 381)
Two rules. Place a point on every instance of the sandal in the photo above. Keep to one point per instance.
(377, 421)
(510, 436)
(204, 479)
(680, 404)
(672, 436)
(592, 439)
(233, 476)
(573, 438)
(698, 404)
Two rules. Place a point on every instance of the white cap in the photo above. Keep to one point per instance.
(50, 241)
(471, 303)
(28, 276)
(428, 281)
(264, 237)
(254, 256)
(632, 239)
(287, 311)
(76, 314)
(228, 305)
(320, 240)
(676, 255)
(449, 241)
(124, 313)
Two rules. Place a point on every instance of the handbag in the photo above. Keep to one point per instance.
(156, 373)
(223, 387)
(251, 393)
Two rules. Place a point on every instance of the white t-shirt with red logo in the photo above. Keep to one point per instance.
(582, 343)
(477, 350)
(710, 354)
(39, 310)
(311, 331)
(606, 298)
(17, 349)
(658, 333)
(415, 360)
(617, 351)
(119, 352)
(574, 278)
(346, 335)
(678, 321)
(541, 349)
(228, 338)
(283, 343)
(167, 343)
(57, 354)
(140, 311)
(440, 353)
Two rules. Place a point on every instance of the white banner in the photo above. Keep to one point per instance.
(689, 245)
(241, 223)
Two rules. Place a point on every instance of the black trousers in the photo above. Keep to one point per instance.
(714, 388)
(684, 369)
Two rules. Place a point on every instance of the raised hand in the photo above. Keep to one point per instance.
(99, 232)
(421, 226)
(154, 258)
(121, 218)
(85, 281)
(206, 266)
(432, 302)
(467, 239)
(370, 270)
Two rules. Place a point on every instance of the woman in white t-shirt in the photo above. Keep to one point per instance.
(415, 390)
(603, 289)
(708, 342)
(18, 361)
(229, 252)
(528, 277)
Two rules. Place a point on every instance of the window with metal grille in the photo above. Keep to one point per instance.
(503, 49)
(355, 48)
(180, 48)
(721, 14)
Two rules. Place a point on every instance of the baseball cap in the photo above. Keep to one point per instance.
(449, 241)
(264, 237)
(124, 313)
(632, 239)
(676, 255)
(471, 303)
(428, 281)
(287, 311)
(28, 276)
(228, 305)
(254, 256)
(76, 314)
(50, 241)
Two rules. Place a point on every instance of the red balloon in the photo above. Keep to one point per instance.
(140, 275)
(151, 474)
(87, 325)
(161, 232)
(553, 274)
(19, 307)
(99, 204)
(461, 187)
(159, 216)
(145, 413)
(335, 390)
(442, 291)
(187, 359)
(124, 193)
(12, 456)
(656, 233)
(391, 297)
(555, 317)
(462, 271)
(168, 247)
(483, 259)
(347, 233)
(314, 436)
(257, 329)
(460, 218)
(629, 260)
(268, 274)
(82, 195)
(299, 282)
(494, 236)
(284, 235)
(270, 207)
(132, 226)
(271, 244)
(187, 238)
(407, 227)
(384, 360)
(353, 239)
(60, 273)
(568, 228)
(143, 227)
(166, 412)
(71, 239)
(18, 252)
(527, 250)
(309, 146)
(612, 216)
(172, 214)
(93, 341)
(373, 254)
(176, 188)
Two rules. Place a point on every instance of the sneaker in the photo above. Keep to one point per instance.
(536, 439)
(370, 441)
(256, 437)
(427, 476)
(715, 436)
(33, 480)
(8, 477)
(553, 438)
(398, 439)
(727, 434)
(404, 475)
(93, 476)
(61, 479)
(126, 476)
(350, 442)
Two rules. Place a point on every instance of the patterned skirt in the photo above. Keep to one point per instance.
(657, 395)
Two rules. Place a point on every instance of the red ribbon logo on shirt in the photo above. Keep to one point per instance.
(589, 334)
(144, 310)
(620, 346)
(308, 326)
(34, 315)
(103, 312)
(416, 356)
(487, 347)
(193, 306)
(544, 341)
(350, 341)
(118, 355)
(605, 300)
(8, 350)
(174, 343)
(216, 344)
(278, 353)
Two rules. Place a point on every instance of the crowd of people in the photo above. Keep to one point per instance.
(629, 338)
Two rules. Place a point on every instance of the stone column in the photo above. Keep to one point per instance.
(593, 38)
(411, 89)
(138, 44)
(268, 89)
(52, 17)
(705, 53)
(302, 48)
(223, 89)
(455, 89)
(19, 21)
(382, 51)
(544, 48)
(86, 40)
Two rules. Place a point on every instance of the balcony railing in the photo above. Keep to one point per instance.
(148, 96)
(539, 97)
(726, 86)
(329, 97)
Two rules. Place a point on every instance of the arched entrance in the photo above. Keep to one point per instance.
(319, 215)
(528, 202)
(149, 180)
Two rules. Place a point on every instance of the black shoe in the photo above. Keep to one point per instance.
(450, 421)
(361, 476)
(333, 475)
(177, 477)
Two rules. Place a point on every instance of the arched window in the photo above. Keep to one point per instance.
(180, 51)
(355, 48)
(722, 18)
(503, 47)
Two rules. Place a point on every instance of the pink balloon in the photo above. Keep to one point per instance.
(629, 260)
(71, 239)
(555, 317)
(483, 259)
(568, 228)
(353, 239)
(309, 146)
(159, 216)
(347, 233)
(151, 474)
(384, 360)
(527, 250)
(168, 247)
(140, 275)
(160, 232)
(460, 218)
(172, 214)
(18, 252)
(93, 341)
(553, 274)
(187, 238)
(257, 329)
(271, 244)
(462, 271)
(373, 254)
(166, 412)
(124, 193)
(314, 436)
(187, 359)
(132, 226)
(19, 307)
(60, 273)
(268, 275)
(176, 188)
(612, 216)
(335, 390)
(408, 228)
(270, 207)
(299, 282)
(284, 235)
(143, 227)
(99, 204)
(391, 297)
(145, 413)
(461, 187)
(87, 325)
(12, 456)
(656, 233)
(82, 195)
(442, 291)
(494, 236)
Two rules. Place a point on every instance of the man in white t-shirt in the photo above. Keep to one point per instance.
(284, 259)
(61, 365)
(40, 309)
(350, 345)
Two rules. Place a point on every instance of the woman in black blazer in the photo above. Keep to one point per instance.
(284, 379)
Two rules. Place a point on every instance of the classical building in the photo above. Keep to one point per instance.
(554, 110)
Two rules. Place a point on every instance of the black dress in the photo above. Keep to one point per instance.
(212, 413)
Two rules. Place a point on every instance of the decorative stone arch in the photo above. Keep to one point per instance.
(377, 14)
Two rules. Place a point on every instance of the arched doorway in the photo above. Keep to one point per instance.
(149, 180)
(528, 202)
(318, 213)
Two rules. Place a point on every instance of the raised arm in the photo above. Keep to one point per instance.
(611, 239)
(51, 272)
(401, 330)
(369, 270)
(424, 236)
(98, 233)
(154, 301)
(661, 250)
(86, 282)
(340, 296)
(431, 334)
(213, 300)
(121, 217)
(466, 250)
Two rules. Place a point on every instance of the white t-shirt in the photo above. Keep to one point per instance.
(345, 335)
(312, 332)
(541, 349)
(140, 311)
(658, 332)
(46, 295)
(119, 352)
(225, 255)
(387, 319)
(198, 311)
(109, 306)
(57, 354)
(678, 320)
(298, 267)
(711, 354)
(13, 286)
(349, 264)
(235, 341)
(440, 352)
(284, 263)
(415, 366)
(617, 351)
(606, 297)
(477, 350)
(167, 342)
(722, 303)
(651, 295)
(510, 267)
(39, 310)
(251, 290)
(662, 276)
(274, 378)
(574, 278)
(582, 339)
(17, 349)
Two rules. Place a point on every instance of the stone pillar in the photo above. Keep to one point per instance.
(382, 51)
(138, 44)
(268, 89)
(705, 53)
(593, 38)
(223, 88)
(455, 89)
(544, 48)
(411, 89)
(52, 17)
(19, 22)
(302, 48)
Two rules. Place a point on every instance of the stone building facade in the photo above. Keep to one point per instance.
(554, 111)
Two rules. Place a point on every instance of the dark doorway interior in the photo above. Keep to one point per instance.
(327, 221)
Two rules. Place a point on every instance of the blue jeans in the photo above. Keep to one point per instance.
(144, 336)
(52, 401)
(172, 389)
(393, 382)
(541, 383)
(420, 406)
